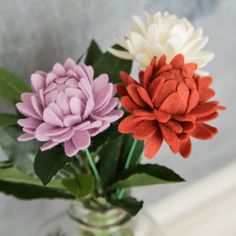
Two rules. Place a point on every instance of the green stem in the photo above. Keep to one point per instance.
(120, 191)
(93, 166)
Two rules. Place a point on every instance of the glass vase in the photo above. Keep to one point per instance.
(86, 219)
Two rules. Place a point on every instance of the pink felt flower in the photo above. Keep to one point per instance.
(68, 106)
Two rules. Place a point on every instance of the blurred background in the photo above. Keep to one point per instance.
(36, 34)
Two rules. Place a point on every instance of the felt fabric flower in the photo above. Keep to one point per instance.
(68, 106)
(163, 34)
(170, 103)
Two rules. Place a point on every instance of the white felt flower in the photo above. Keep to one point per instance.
(163, 34)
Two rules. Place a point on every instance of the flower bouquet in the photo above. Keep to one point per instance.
(86, 125)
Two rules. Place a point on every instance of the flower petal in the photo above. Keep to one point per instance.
(153, 145)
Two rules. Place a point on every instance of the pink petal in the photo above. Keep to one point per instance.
(88, 71)
(70, 148)
(63, 137)
(52, 118)
(86, 88)
(41, 97)
(50, 78)
(73, 74)
(37, 81)
(50, 97)
(29, 131)
(25, 137)
(48, 145)
(83, 125)
(30, 123)
(57, 110)
(26, 97)
(27, 110)
(99, 83)
(91, 125)
(74, 92)
(76, 106)
(72, 82)
(40, 132)
(95, 131)
(69, 64)
(37, 106)
(80, 72)
(59, 70)
(89, 107)
(63, 102)
(111, 117)
(81, 139)
(103, 97)
(50, 87)
(108, 108)
(72, 120)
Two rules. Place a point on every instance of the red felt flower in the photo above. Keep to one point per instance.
(170, 103)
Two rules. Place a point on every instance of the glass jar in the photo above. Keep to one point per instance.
(92, 219)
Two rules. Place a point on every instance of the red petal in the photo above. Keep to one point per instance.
(205, 81)
(168, 134)
(183, 136)
(144, 95)
(148, 74)
(156, 86)
(186, 117)
(174, 147)
(185, 148)
(128, 104)
(161, 62)
(145, 129)
(168, 88)
(177, 61)
(144, 115)
(188, 70)
(127, 125)
(193, 100)
(204, 109)
(175, 126)
(126, 78)
(161, 116)
(121, 90)
(188, 126)
(190, 83)
(133, 92)
(164, 68)
(153, 145)
(206, 94)
(203, 131)
(208, 118)
(171, 104)
(184, 94)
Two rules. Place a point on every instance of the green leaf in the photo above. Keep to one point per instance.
(14, 182)
(109, 158)
(21, 154)
(111, 65)
(48, 163)
(80, 59)
(130, 205)
(11, 86)
(80, 187)
(5, 164)
(93, 53)
(7, 120)
(142, 175)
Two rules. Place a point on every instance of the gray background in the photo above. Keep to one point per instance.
(36, 34)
